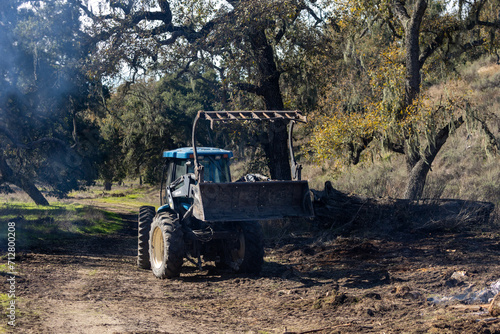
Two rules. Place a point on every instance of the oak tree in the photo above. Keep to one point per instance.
(243, 40)
(403, 43)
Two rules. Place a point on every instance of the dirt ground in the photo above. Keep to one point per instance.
(312, 282)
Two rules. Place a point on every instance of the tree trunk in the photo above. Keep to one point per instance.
(9, 176)
(418, 165)
(276, 150)
(32, 191)
(107, 185)
(276, 147)
(411, 25)
(416, 180)
(418, 173)
(413, 65)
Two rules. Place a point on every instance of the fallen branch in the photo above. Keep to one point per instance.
(347, 213)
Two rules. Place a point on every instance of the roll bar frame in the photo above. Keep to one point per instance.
(265, 115)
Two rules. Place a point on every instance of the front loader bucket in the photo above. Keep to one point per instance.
(240, 201)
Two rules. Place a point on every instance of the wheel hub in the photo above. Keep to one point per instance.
(158, 248)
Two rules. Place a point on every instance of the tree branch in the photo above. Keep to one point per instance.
(493, 140)
(248, 87)
(400, 12)
(355, 150)
(441, 137)
(280, 33)
(495, 24)
(394, 147)
(31, 145)
(185, 69)
(419, 11)
(391, 27)
(120, 5)
(432, 47)
(473, 21)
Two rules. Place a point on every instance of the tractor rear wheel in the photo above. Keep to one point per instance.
(248, 254)
(166, 246)
(146, 215)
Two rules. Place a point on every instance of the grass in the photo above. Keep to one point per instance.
(4, 304)
(132, 197)
(58, 223)
(89, 212)
(30, 211)
(108, 224)
(132, 200)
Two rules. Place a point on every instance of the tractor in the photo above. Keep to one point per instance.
(203, 216)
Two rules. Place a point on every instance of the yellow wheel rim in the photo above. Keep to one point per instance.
(158, 248)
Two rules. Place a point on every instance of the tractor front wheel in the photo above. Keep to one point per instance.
(166, 245)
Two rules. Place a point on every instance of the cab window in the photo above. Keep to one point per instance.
(170, 169)
(214, 170)
(180, 169)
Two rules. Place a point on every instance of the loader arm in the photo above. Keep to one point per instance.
(242, 201)
(268, 115)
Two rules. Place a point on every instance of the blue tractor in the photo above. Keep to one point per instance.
(203, 216)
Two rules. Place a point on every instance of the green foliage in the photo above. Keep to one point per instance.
(258, 49)
(146, 118)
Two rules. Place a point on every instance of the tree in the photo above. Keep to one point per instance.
(419, 162)
(147, 117)
(243, 40)
(415, 36)
(43, 92)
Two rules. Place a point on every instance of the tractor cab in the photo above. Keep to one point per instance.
(180, 171)
(215, 163)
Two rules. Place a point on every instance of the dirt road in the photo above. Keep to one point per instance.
(311, 283)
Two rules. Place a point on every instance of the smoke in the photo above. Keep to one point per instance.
(43, 93)
(8, 52)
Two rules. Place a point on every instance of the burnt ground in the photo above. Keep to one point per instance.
(312, 282)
